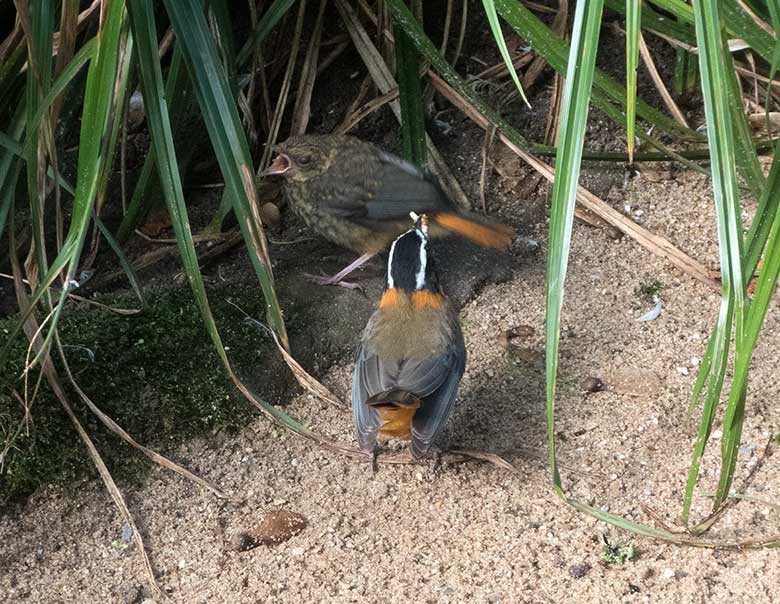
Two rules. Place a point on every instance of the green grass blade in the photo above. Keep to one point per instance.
(264, 27)
(10, 165)
(571, 136)
(230, 145)
(40, 66)
(81, 58)
(768, 207)
(633, 17)
(124, 262)
(406, 21)
(748, 166)
(720, 134)
(498, 35)
(652, 20)
(774, 13)
(410, 96)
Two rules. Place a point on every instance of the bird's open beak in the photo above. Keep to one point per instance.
(280, 165)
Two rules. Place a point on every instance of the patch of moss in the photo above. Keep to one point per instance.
(156, 374)
(648, 289)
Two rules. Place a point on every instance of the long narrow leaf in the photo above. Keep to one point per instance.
(410, 95)
(92, 154)
(264, 27)
(633, 15)
(571, 136)
(498, 36)
(720, 136)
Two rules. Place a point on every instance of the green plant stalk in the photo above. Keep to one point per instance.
(40, 65)
(571, 136)
(227, 136)
(410, 96)
(712, 66)
(633, 31)
(748, 166)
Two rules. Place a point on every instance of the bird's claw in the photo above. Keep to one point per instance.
(329, 280)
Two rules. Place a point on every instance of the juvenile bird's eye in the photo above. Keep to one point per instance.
(304, 160)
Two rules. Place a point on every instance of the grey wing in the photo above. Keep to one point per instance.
(403, 188)
(437, 407)
(370, 377)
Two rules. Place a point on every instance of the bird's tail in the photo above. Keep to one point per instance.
(396, 409)
(481, 232)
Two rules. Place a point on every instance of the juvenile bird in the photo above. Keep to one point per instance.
(411, 356)
(358, 196)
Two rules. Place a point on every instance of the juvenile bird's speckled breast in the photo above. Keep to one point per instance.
(311, 204)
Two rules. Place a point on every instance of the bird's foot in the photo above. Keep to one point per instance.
(331, 280)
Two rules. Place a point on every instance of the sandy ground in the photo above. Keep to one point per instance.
(470, 532)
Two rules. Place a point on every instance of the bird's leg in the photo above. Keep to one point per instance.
(372, 464)
(337, 278)
(436, 461)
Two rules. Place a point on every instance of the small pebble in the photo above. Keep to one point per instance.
(593, 384)
(579, 570)
(614, 233)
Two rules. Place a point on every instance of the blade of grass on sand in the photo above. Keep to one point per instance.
(498, 36)
(410, 94)
(720, 134)
(224, 126)
(633, 15)
(571, 136)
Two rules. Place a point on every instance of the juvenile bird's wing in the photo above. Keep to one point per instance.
(384, 188)
(437, 407)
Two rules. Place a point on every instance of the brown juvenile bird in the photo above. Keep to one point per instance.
(411, 356)
(358, 196)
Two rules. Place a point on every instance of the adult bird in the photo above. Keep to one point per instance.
(359, 197)
(411, 356)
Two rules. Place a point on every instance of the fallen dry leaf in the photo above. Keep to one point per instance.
(275, 527)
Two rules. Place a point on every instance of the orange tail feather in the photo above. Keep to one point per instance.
(494, 235)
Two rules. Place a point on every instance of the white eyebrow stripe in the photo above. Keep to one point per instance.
(390, 282)
(420, 280)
